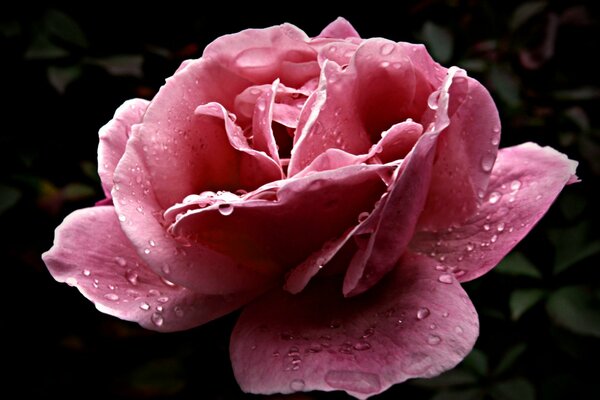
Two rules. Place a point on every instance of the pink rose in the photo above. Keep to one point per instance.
(337, 188)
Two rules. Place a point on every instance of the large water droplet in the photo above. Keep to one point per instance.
(157, 319)
(515, 185)
(494, 197)
(487, 162)
(423, 313)
(131, 276)
(434, 340)
(86, 272)
(362, 216)
(122, 218)
(226, 209)
(111, 296)
(355, 381)
(121, 262)
(445, 278)
(297, 385)
(362, 345)
(146, 251)
(144, 306)
(387, 49)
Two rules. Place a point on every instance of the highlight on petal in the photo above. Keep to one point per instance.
(112, 276)
(524, 183)
(418, 323)
(113, 139)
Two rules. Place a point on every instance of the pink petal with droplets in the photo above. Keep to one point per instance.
(413, 325)
(115, 279)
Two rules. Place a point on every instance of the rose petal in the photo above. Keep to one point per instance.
(271, 235)
(525, 181)
(113, 139)
(416, 324)
(352, 107)
(339, 29)
(388, 230)
(465, 153)
(263, 55)
(111, 275)
(262, 130)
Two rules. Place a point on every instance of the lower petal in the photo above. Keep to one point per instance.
(417, 323)
(101, 263)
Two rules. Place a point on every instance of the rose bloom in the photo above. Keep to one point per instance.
(337, 189)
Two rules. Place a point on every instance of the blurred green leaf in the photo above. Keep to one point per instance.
(525, 12)
(509, 358)
(439, 41)
(522, 300)
(576, 308)
(477, 362)
(90, 169)
(517, 264)
(121, 65)
(473, 65)
(572, 204)
(506, 85)
(61, 77)
(9, 197)
(41, 48)
(162, 377)
(62, 26)
(461, 394)
(573, 245)
(77, 191)
(514, 389)
(578, 94)
(453, 377)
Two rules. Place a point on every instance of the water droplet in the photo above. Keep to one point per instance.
(157, 319)
(122, 218)
(385, 64)
(111, 296)
(432, 326)
(445, 314)
(481, 194)
(86, 272)
(459, 272)
(297, 385)
(144, 306)
(495, 141)
(494, 238)
(96, 283)
(487, 162)
(166, 269)
(515, 185)
(261, 106)
(423, 313)
(434, 340)
(131, 276)
(71, 281)
(178, 311)
(334, 324)
(167, 282)
(153, 292)
(355, 381)
(140, 209)
(387, 49)
(486, 227)
(470, 247)
(445, 278)
(440, 268)
(494, 197)
(434, 99)
(152, 243)
(363, 216)
(314, 348)
(368, 332)
(361, 346)
(226, 209)
(500, 227)
(163, 299)
(146, 251)
(458, 330)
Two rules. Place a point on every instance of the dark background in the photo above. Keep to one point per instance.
(65, 69)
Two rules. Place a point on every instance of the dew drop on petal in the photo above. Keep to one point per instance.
(162, 299)
(515, 185)
(445, 278)
(494, 238)
(500, 227)
(226, 209)
(363, 216)
(486, 227)
(494, 197)
(487, 162)
(470, 247)
(178, 311)
(361, 346)
(387, 49)
(121, 262)
(131, 276)
(423, 313)
(144, 306)
(297, 385)
(111, 296)
(146, 251)
(434, 340)
(157, 319)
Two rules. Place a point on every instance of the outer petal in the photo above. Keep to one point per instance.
(113, 139)
(339, 29)
(524, 183)
(111, 275)
(465, 154)
(277, 234)
(414, 325)
(263, 55)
